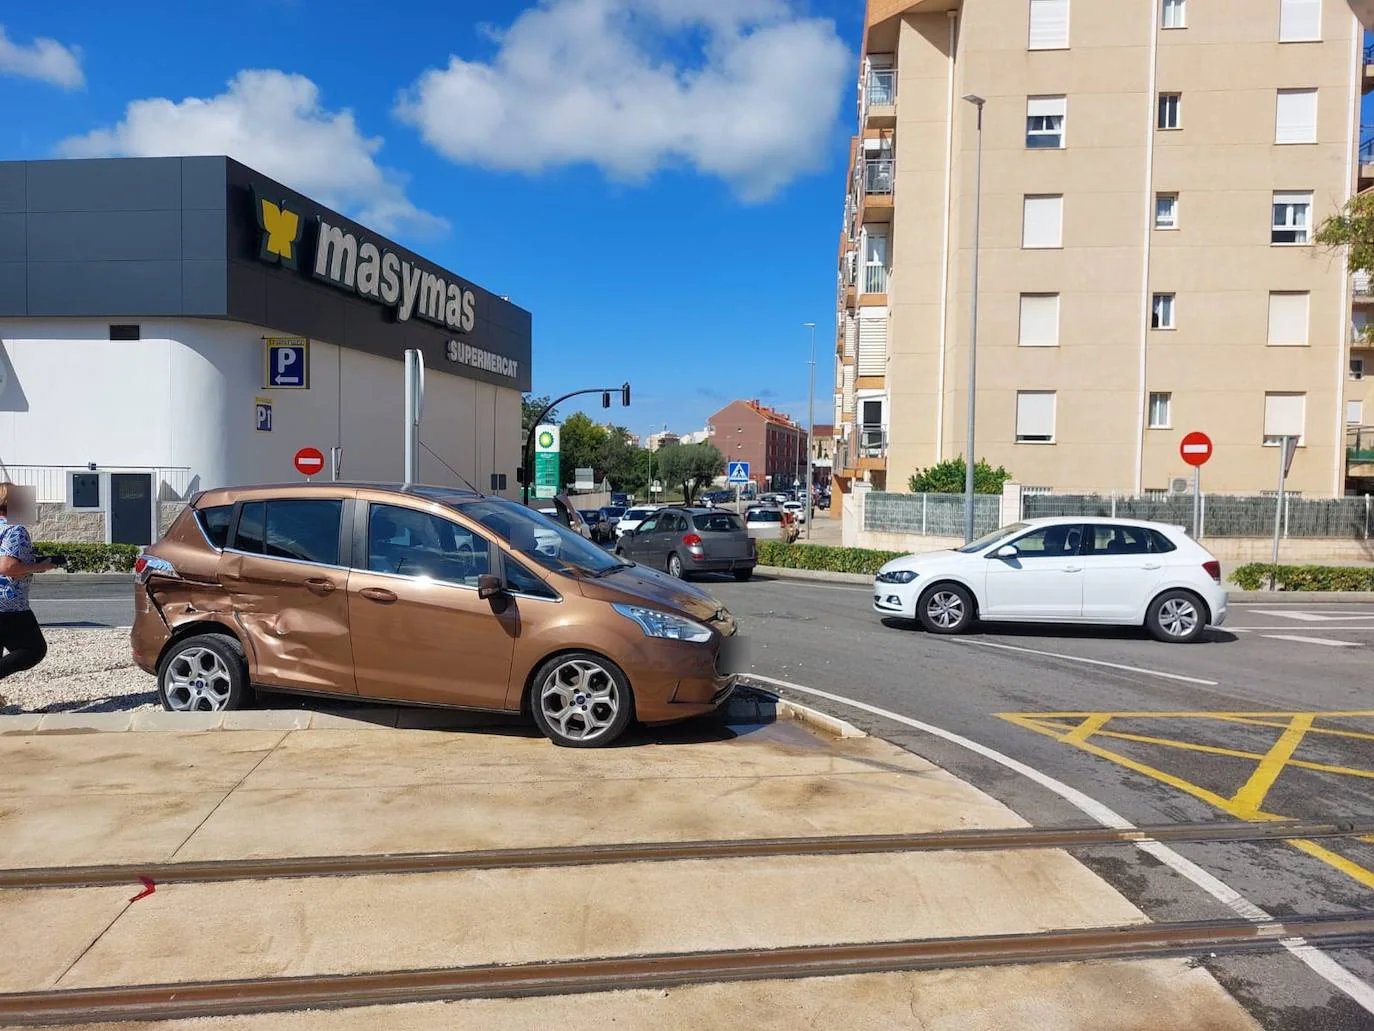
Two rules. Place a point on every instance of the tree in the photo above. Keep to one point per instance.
(691, 465)
(530, 407)
(620, 462)
(581, 445)
(947, 477)
(1352, 227)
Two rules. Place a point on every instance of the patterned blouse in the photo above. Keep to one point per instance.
(15, 543)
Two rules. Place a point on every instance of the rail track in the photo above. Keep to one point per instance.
(199, 872)
(260, 995)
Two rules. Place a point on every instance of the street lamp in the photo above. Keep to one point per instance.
(807, 507)
(969, 458)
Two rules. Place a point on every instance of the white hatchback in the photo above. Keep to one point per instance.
(1062, 570)
(632, 518)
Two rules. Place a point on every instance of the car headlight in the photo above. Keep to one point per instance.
(897, 576)
(665, 625)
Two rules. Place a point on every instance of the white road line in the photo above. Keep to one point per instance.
(1308, 617)
(1312, 640)
(1093, 662)
(1320, 964)
(1308, 629)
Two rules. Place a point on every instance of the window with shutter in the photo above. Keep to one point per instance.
(848, 392)
(1042, 222)
(1284, 416)
(1354, 413)
(1045, 118)
(1039, 320)
(851, 335)
(1292, 218)
(1175, 14)
(1161, 405)
(1300, 21)
(1295, 119)
(1035, 416)
(873, 345)
(1288, 318)
(1049, 25)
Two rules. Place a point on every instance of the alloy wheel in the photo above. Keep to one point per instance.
(945, 609)
(1178, 617)
(674, 566)
(580, 699)
(198, 679)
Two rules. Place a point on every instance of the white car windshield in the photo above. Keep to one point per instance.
(541, 539)
(989, 539)
(637, 515)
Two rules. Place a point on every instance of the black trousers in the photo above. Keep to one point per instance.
(22, 641)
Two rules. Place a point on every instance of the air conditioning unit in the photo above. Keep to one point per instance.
(1178, 485)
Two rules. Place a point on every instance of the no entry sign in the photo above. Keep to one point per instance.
(309, 461)
(1196, 448)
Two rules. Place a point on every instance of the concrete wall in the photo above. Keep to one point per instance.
(56, 522)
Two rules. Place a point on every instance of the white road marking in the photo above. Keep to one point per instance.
(1308, 629)
(1093, 662)
(1307, 617)
(1312, 640)
(1320, 964)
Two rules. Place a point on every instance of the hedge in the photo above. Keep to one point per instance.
(823, 557)
(91, 558)
(1255, 577)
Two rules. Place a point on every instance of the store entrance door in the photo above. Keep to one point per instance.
(131, 508)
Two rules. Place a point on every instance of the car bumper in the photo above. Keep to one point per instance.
(690, 680)
(720, 565)
(895, 599)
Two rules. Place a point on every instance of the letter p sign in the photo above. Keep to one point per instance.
(288, 365)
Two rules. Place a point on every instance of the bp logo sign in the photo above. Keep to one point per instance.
(546, 482)
(545, 440)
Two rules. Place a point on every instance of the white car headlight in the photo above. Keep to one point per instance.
(897, 576)
(665, 625)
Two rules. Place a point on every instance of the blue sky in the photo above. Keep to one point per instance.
(658, 181)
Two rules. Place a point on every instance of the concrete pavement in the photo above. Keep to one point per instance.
(94, 797)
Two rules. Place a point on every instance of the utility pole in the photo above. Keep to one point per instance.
(971, 454)
(415, 400)
(808, 506)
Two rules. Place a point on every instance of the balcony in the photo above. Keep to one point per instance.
(880, 98)
(875, 279)
(1359, 448)
(873, 442)
(878, 183)
(1362, 288)
(1366, 170)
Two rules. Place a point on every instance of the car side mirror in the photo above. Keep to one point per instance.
(489, 587)
(1005, 551)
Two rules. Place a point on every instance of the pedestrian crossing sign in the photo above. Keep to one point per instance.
(737, 473)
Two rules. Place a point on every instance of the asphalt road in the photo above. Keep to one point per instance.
(1246, 736)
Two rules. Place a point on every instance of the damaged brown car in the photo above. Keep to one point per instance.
(421, 596)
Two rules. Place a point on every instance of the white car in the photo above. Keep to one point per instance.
(797, 509)
(764, 524)
(1062, 570)
(633, 517)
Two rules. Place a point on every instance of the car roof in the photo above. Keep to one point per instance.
(429, 492)
(1097, 520)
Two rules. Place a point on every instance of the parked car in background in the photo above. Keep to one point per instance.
(633, 517)
(610, 515)
(1062, 570)
(592, 517)
(619, 500)
(683, 541)
(797, 509)
(823, 501)
(420, 595)
(764, 523)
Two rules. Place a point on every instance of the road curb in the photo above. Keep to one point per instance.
(93, 579)
(759, 705)
(784, 573)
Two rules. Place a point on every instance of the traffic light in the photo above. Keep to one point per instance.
(625, 395)
(605, 399)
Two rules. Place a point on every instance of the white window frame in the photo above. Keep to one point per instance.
(1291, 28)
(1047, 118)
(1172, 223)
(1167, 397)
(1045, 7)
(1275, 439)
(1180, 14)
(1292, 201)
(1297, 132)
(1176, 107)
(1162, 314)
(1037, 438)
(1026, 205)
(1021, 340)
(1355, 407)
(1306, 297)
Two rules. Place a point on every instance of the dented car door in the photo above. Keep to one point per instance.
(288, 577)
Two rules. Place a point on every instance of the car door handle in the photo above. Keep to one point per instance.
(1152, 565)
(319, 585)
(1073, 569)
(378, 594)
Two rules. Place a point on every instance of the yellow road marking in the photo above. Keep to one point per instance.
(1332, 731)
(1189, 746)
(1086, 729)
(1143, 714)
(1251, 795)
(1348, 867)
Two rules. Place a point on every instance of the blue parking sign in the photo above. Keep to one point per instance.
(288, 364)
(262, 415)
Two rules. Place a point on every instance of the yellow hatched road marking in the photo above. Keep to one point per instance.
(1252, 794)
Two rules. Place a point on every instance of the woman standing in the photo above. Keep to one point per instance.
(20, 637)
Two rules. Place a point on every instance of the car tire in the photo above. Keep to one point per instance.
(675, 567)
(743, 574)
(566, 682)
(1176, 617)
(204, 673)
(945, 609)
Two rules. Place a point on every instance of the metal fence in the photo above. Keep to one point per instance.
(49, 482)
(930, 515)
(1223, 515)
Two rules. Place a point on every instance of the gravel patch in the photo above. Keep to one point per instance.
(85, 671)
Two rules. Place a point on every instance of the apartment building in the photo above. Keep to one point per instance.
(1152, 174)
(772, 444)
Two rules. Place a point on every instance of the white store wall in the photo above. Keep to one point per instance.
(184, 396)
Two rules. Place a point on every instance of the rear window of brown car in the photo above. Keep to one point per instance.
(214, 523)
(303, 529)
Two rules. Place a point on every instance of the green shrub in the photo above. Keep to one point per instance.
(823, 557)
(1255, 577)
(91, 558)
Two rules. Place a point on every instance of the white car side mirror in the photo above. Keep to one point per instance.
(1005, 551)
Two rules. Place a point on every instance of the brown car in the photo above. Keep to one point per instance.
(423, 596)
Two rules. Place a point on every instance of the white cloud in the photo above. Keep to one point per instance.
(44, 59)
(275, 123)
(606, 82)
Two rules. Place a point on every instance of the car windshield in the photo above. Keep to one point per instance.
(763, 515)
(638, 514)
(988, 539)
(717, 522)
(540, 539)
(613, 513)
